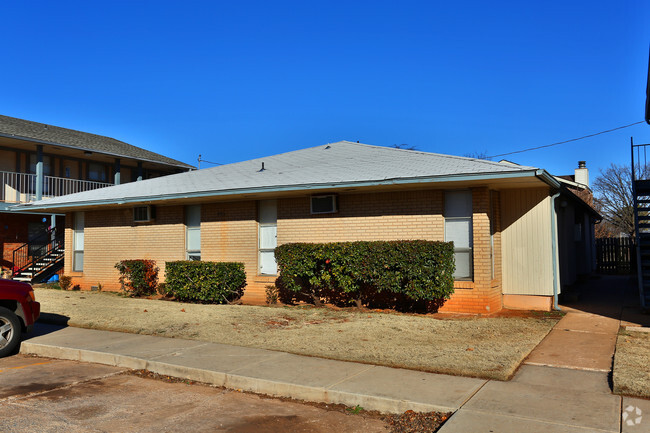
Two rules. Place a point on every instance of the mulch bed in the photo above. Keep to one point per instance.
(416, 422)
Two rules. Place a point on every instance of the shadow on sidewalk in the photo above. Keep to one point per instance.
(47, 324)
(614, 296)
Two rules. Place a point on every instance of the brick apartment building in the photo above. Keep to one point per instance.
(520, 234)
(39, 161)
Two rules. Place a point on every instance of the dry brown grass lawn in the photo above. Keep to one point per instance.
(631, 368)
(468, 346)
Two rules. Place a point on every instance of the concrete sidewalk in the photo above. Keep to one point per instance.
(563, 385)
(261, 371)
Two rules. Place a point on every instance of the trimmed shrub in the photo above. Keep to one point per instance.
(272, 295)
(205, 282)
(138, 277)
(382, 274)
(65, 282)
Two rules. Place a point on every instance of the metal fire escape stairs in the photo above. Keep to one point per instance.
(37, 260)
(641, 194)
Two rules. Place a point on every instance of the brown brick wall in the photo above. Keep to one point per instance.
(374, 216)
(229, 233)
(111, 236)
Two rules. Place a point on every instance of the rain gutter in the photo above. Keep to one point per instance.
(554, 249)
(47, 205)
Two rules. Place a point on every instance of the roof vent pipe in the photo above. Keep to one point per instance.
(262, 169)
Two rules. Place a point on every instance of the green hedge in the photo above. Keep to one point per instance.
(138, 277)
(205, 282)
(381, 274)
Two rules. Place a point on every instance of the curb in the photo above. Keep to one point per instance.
(234, 381)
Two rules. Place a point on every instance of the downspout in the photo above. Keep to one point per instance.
(554, 251)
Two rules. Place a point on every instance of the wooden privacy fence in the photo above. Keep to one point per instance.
(616, 255)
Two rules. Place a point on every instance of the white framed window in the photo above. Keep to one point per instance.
(78, 242)
(193, 232)
(458, 228)
(268, 236)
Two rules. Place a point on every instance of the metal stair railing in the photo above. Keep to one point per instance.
(641, 195)
(34, 255)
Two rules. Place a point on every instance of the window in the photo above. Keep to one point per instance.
(323, 204)
(268, 236)
(143, 214)
(193, 232)
(97, 172)
(78, 242)
(458, 228)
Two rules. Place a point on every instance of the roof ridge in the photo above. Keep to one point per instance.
(443, 155)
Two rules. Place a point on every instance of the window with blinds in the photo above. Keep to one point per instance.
(193, 232)
(268, 234)
(458, 228)
(78, 242)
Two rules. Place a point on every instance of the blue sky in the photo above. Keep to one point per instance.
(239, 80)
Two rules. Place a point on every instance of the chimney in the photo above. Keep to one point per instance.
(582, 174)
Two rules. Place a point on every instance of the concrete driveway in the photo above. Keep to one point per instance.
(49, 395)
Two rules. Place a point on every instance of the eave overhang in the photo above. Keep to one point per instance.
(537, 174)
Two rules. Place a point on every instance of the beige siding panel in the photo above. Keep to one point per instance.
(526, 242)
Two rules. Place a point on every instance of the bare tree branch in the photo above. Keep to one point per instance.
(614, 199)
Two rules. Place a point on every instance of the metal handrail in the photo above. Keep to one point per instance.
(24, 256)
(640, 170)
(641, 174)
(21, 187)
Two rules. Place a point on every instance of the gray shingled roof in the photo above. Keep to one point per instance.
(48, 134)
(334, 165)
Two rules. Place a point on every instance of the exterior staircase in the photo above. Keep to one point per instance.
(641, 193)
(37, 260)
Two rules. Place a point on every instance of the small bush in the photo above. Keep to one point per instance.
(162, 289)
(272, 295)
(65, 282)
(76, 287)
(138, 277)
(408, 275)
(205, 282)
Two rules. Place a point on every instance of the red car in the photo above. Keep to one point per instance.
(18, 312)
